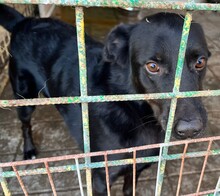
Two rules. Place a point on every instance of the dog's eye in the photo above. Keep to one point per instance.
(152, 67)
(200, 64)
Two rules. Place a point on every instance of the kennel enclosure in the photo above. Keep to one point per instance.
(85, 99)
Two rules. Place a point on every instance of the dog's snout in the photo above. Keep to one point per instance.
(188, 129)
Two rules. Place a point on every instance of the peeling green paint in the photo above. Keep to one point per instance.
(83, 92)
(106, 98)
(179, 68)
(125, 4)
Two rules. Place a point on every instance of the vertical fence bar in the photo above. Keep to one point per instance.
(203, 167)
(20, 181)
(134, 172)
(179, 68)
(79, 177)
(107, 175)
(83, 90)
(159, 172)
(181, 169)
(4, 185)
(50, 179)
(217, 188)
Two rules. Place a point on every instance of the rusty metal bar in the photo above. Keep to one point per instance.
(20, 181)
(204, 165)
(125, 150)
(134, 172)
(181, 169)
(205, 193)
(124, 4)
(50, 178)
(179, 68)
(107, 174)
(106, 98)
(68, 168)
(83, 91)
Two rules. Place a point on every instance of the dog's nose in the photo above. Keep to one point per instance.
(188, 129)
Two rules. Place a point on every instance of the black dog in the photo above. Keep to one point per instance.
(137, 58)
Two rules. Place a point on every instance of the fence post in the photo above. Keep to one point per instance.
(179, 68)
(83, 90)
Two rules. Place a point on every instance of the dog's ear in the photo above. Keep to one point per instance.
(116, 47)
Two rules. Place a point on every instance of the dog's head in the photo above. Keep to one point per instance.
(151, 48)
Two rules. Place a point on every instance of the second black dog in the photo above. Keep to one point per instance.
(138, 58)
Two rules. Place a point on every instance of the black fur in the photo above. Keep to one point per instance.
(44, 51)
(9, 18)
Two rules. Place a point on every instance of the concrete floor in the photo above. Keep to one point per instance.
(52, 137)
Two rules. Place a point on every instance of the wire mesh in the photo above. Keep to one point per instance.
(106, 164)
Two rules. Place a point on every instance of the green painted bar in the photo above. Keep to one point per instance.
(67, 168)
(83, 91)
(124, 4)
(106, 98)
(179, 68)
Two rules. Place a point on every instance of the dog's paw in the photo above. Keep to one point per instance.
(31, 154)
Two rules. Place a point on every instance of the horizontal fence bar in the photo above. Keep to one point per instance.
(106, 98)
(206, 193)
(124, 4)
(108, 152)
(83, 166)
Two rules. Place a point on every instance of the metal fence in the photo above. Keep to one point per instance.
(85, 99)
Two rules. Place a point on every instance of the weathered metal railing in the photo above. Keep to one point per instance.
(187, 5)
